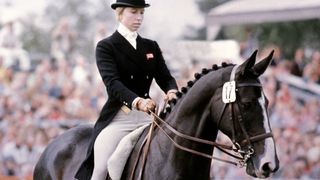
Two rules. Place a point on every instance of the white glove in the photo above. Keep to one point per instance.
(145, 105)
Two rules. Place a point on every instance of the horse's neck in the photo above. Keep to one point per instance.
(176, 163)
(191, 116)
(191, 113)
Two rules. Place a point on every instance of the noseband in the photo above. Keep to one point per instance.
(243, 154)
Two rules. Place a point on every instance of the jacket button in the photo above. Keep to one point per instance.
(146, 95)
(147, 77)
(131, 76)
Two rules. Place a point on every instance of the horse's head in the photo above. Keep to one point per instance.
(243, 116)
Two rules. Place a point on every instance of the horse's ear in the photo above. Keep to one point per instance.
(248, 64)
(260, 67)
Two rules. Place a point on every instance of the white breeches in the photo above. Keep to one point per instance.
(108, 139)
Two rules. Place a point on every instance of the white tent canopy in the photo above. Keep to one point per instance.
(259, 11)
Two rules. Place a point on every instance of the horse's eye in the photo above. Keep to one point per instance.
(249, 105)
(246, 105)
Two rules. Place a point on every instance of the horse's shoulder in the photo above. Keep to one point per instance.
(66, 143)
(62, 151)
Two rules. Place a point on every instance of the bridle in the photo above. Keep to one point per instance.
(243, 154)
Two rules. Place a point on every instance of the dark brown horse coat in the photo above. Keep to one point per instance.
(127, 74)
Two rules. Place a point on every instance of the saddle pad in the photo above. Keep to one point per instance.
(118, 159)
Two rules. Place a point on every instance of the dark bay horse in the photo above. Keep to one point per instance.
(229, 99)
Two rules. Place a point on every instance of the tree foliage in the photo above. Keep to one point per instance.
(287, 35)
(290, 35)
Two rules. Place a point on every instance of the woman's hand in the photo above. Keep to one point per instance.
(146, 104)
(171, 95)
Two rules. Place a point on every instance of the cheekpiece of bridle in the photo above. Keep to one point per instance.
(229, 97)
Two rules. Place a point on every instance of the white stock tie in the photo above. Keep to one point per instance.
(131, 37)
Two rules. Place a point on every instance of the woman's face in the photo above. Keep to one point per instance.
(132, 18)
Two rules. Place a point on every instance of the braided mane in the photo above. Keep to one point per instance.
(165, 111)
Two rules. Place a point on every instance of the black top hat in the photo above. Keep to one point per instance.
(130, 3)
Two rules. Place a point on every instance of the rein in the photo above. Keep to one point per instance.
(219, 146)
(194, 139)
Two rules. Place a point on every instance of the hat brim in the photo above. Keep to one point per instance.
(121, 4)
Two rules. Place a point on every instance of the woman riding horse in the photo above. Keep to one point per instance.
(127, 64)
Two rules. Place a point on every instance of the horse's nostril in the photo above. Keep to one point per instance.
(267, 167)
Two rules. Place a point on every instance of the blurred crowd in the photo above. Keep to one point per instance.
(40, 101)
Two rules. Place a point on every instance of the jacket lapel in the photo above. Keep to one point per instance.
(123, 45)
(137, 56)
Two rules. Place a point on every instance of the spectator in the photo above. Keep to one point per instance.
(63, 40)
(312, 70)
(300, 60)
(10, 167)
(11, 49)
(101, 33)
(15, 153)
(80, 73)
